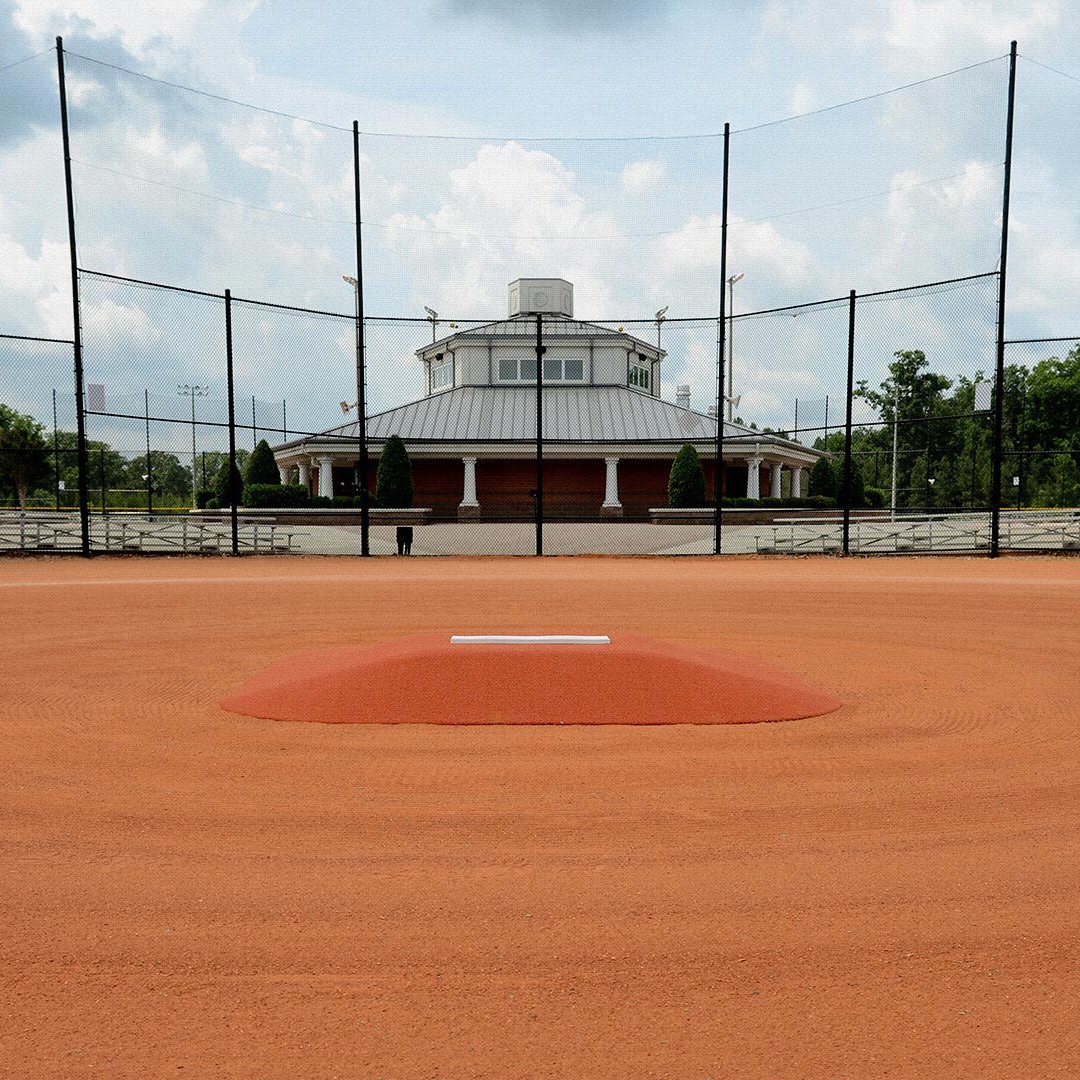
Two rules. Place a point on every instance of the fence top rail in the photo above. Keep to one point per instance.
(420, 320)
(32, 337)
(1041, 340)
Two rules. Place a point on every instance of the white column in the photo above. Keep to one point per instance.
(796, 483)
(305, 474)
(775, 489)
(611, 484)
(283, 472)
(326, 476)
(468, 499)
(753, 478)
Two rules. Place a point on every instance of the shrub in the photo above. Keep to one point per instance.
(221, 485)
(203, 497)
(823, 478)
(322, 500)
(875, 498)
(393, 478)
(213, 504)
(275, 495)
(261, 467)
(686, 482)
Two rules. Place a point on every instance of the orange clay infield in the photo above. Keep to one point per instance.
(440, 679)
(886, 890)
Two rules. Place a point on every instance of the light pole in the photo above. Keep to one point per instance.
(661, 315)
(731, 326)
(433, 318)
(193, 391)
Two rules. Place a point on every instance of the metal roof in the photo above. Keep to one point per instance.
(615, 414)
(555, 327)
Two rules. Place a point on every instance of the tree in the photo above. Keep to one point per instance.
(261, 467)
(393, 479)
(686, 482)
(910, 396)
(24, 453)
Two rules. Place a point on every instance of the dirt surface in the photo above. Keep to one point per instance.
(889, 890)
(426, 679)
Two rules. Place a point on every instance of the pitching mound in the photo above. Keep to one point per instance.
(441, 679)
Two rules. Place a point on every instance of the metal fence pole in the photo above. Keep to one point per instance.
(361, 373)
(721, 326)
(56, 451)
(101, 477)
(233, 493)
(847, 421)
(539, 507)
(999, 379)
(80, 404)
(149, 466)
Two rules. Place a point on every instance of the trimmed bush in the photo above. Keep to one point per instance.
(322, 500)
(686, 482)
(824, 479)
(203, 497)
(213, 504)
(393, 479)
(275, 495)
(875, 498)
(261, 467)
(221, 485)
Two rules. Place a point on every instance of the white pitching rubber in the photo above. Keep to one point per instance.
(527, 639)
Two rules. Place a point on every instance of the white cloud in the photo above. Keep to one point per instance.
(641, 177)
(136, 23)
(915, 37)
(804, 99)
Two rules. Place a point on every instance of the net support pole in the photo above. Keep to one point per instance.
(234, 495)
(361, 374)
(80, 404)
(539, 507)
(999, 376)
(721, 330)
(847, 421)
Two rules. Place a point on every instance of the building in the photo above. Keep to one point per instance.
(609, 437)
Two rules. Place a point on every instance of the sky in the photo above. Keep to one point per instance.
(552, 138)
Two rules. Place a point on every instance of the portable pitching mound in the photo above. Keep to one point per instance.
(526, 679)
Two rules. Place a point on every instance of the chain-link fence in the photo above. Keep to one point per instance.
(211, 427)
(306, 408)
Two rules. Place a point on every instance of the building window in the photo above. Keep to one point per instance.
(639, 374)
(517, 369)
(442, 372)
(569, 369)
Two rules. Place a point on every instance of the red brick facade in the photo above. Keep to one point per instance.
(573, 487)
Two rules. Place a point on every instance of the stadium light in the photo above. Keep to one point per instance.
(433, 317)
(730, 327)
(193, 391)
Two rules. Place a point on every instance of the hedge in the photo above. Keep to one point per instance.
(275, 495)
